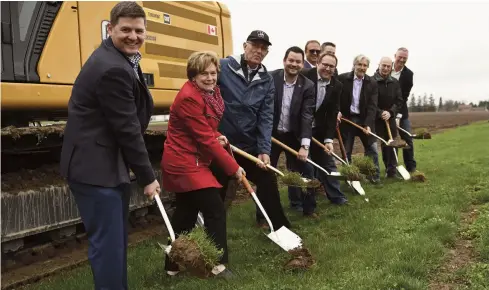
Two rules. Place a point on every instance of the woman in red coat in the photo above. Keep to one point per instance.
(192, 143)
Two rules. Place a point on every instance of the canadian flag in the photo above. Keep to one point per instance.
(211, 29)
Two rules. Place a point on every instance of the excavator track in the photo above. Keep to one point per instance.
(42, 232)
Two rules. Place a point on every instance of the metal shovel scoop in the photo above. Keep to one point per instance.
(284, 237)
(401, 169)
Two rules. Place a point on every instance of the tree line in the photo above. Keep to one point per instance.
(428, 104)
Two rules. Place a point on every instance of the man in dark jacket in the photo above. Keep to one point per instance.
(327, 102)
(359, 105)
(108, 112)
(248, 92)
(405, 77)
(292, 123)
(389, 103)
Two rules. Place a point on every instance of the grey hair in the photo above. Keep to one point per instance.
(403, 49)
(360, 57)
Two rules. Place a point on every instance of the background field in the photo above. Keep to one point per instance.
(410, 235)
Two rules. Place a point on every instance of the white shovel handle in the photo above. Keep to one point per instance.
(405, 131)
(332, 153)
(255, 198)
(165, 217)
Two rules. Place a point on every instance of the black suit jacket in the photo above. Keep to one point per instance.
(406, 82)
(301, 107)
(325, 116)
(368, 98)
(108, 112)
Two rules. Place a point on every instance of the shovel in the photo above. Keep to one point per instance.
(391, 140)
(254, 159)
(284, 237)
(405, 131)
(401, 169)
(354, 184)
(167, 248)
(363, 130)
(335, 175)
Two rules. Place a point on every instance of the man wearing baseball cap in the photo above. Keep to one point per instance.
(248, 91)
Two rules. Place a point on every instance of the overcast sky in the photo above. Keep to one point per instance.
(448, 42)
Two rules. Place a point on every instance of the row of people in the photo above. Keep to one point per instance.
(231, 100)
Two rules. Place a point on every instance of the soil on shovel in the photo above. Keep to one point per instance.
(302, 259)
(187, 255)
(399, 143)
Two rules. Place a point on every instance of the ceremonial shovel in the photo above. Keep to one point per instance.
(355, 184)
(335, 175)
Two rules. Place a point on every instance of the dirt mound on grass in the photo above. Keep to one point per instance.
(187, 255)
(302, 259)
(418, 176)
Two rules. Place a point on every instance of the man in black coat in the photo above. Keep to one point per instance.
(327, 100)
(405, 76)
(292, 123)
(389, 103)
(359, 105)
(108, 112)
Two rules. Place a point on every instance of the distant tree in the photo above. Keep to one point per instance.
(432, 104)
(471, 104)
(483, 104)
(449, 105)
(419, 104)
(440, 104)
(412, 103)
(425, 103)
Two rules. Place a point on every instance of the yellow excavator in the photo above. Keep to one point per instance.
(44, 45)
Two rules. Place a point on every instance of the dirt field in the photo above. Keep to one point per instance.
(444, 120)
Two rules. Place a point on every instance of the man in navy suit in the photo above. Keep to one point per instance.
(109, 109)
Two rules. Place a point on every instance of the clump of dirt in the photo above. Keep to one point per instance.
(399, 143)
(365, 164)
(351, 172)
(295, 179)
(195, 252)
(302, 259)
(425, 135)
(418, 176)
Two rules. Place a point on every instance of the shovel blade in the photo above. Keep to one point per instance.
(404, 173)
(286, 239)
(336, 175)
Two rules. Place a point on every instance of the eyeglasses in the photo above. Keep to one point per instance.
(325, 65)
(314, 51)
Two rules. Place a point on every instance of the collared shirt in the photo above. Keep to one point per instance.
(320, 95)
(284, 122)
(135, 59)
(357, 88)
(310, 63)
(395, 74)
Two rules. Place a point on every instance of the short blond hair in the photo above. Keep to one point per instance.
(199, 61)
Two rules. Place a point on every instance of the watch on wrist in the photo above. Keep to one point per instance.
(305, 147)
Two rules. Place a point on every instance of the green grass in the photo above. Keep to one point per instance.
(396, 241)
